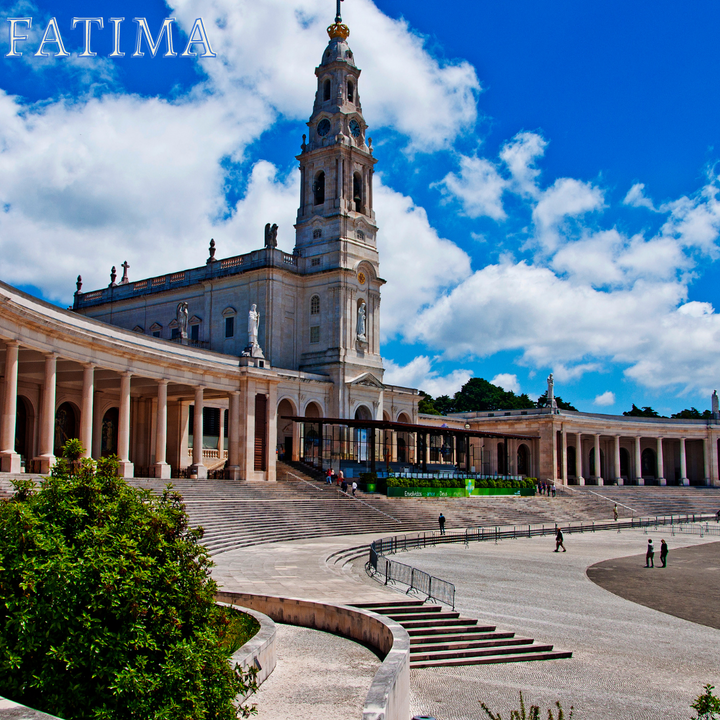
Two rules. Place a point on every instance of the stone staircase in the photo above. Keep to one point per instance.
(442, 638)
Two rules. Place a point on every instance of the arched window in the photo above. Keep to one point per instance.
(314, 305)
(357, 192)
(351, 92)
(326, 90)
(319, 188)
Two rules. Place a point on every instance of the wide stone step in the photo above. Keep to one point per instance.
(465, 644)
(451, 637)
(430, 617)
(520, 649)
(440, 622)
(445, 629)
(489, 659)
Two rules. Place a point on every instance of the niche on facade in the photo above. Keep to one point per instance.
(109, 432)
(66, 425)
(319, 188)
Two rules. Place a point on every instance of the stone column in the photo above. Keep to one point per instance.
(126, 468)
(714, 480)
(661, 463)
(271, 434)
(47, 416)
(564, 467)
(578, 459)
(221, 436)
(618, 476)
(598, 463)
(683, 464)
(638, 463)
(162, 468)
(706, 460)
(86, 414)
(234, 436)
(198, 469)
(10, 461)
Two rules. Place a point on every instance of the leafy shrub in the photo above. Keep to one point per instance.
(107, 606)
(707, 705)
(435, 482)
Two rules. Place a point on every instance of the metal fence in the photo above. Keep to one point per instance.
(416, 580)
(443, 591)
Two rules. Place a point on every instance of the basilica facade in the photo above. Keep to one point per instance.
(242, 360)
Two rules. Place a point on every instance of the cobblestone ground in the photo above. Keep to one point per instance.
(629, 662)
(318, 675)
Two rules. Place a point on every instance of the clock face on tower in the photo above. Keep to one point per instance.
(323, 127)
(355, 128)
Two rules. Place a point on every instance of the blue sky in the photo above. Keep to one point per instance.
(546, 187)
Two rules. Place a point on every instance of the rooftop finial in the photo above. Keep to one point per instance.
(338, 30)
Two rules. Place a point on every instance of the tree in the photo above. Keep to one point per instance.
(427, 404)
(106, 603)
(641, 412)
(692, 414)
(542, 402)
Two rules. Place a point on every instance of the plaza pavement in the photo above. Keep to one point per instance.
(629, 662)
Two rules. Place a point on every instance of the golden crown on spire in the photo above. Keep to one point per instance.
(338, 30)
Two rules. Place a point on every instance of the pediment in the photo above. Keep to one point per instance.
(368, 380)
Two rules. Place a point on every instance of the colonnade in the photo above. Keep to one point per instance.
(660, 448)
(242, 453)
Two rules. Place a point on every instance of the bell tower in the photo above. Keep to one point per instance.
(336, 234)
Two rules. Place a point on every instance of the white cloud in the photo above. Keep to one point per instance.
(507, 382)
(607, 398)
(417, 264)
(418, 373)
(566, 198)
(478, 187)
(520, 155)
(636, 197)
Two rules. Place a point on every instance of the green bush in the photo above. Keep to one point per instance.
(707, 705)
(435, 482)
(107, 606)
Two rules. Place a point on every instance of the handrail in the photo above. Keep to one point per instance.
(604, 497)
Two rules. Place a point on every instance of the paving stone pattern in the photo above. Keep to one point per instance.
(318, 675)
(629, 662)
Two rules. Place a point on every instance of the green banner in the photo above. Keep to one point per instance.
(455, 492)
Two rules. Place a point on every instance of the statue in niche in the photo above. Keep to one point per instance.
(271, 235)
(361, 318)
(253, 324)
(715, 403)
(181, 316)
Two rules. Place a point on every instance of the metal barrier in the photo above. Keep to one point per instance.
(443, 591)
(416, 580)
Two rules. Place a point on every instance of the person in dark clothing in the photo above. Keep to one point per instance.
(441, 522)
(559, 540)
(663, 552)
(650, 555)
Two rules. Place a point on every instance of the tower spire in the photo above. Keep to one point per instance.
(338, 16)
(337, 29)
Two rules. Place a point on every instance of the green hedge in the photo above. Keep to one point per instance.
(459, 482)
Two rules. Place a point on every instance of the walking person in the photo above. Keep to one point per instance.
(354, 487)
(615, 512)
(340, 477)
(663, 552)
(559, 540)
(650, 555)
(441, 522)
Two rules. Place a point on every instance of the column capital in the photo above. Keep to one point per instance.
(163, 381)
(89, 365)
(126, 373)
(52, 355)
(12, 343)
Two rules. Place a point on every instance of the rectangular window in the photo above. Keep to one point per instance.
(156, 333)
(175, 333)
(315, 261)
(195, 333)
(229, 327)
(315, 334)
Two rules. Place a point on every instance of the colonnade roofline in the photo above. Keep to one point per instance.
(407, 427)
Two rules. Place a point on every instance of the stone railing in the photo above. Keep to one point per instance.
(389, 695)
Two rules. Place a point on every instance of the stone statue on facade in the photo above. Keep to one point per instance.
(125, 266)
(551, 392)
(715, 404)
(253, 347)
(271, 235)
(361, 322)
(181, 315)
